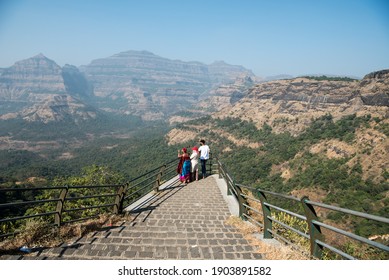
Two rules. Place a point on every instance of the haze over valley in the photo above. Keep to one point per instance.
(293, 97)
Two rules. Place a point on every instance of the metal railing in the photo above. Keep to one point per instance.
(300, 224)
(56, 206)
(280, 216)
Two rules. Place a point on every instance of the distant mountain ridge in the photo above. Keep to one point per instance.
(132, 83)
(142, 83)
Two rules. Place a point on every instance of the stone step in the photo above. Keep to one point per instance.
(184, 222)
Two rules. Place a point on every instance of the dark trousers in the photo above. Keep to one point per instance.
(203, 167)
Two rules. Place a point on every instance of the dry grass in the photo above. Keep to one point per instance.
(269, 251)
(38, 235)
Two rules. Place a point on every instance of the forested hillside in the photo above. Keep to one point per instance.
(325, 138)
(330, 161)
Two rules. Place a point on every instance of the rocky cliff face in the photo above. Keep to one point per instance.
(37, 89)
(227, 94)
(374, 88)
(36, 75)
(290, 105)
(151, 86)
(133, 82)
(55, 107)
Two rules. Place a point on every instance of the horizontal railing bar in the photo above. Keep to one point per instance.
(251, 198)
(137, 186)
(29, 202)
(170, 171)
(88, 207)
(289, 227)
(282, 238)
(95, 186)
(253, 209)
(234, 191)
(170, 164)
(167, 174)
(255, 221)
(247, 187)
(145, 180)
(295, 246)
(229, 178)
(141, 189)
(272, 193)
(335, 250)
(32, 189)
(281, 195)
(27, 217)
(348, 211)
(353, 236)
(89, 196)
(153, 170)
(286, 211)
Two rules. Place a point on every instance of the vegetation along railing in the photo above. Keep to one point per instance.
(302, 223)
(56, 206)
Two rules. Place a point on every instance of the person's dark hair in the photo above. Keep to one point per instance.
(202, 141)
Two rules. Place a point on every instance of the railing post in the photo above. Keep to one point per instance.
(267, 223)
(60, 206)
(118, 207)
(314, 230)
(229, 184)
(219, 169)
(159, 176)
(242, 209)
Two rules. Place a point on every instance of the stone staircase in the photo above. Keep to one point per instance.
(179, 222)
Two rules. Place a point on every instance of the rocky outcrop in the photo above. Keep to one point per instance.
(290, 105)
(374, 88)
(36, 75)
(227, 94)
(56, 107)
(37, 89)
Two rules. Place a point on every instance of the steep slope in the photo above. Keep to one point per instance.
(290, 105)
(36, 75)
(343, 120)
(37, 89)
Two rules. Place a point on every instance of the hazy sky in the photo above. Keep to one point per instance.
(269, 37)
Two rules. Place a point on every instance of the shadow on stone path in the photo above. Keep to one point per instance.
(179, 222)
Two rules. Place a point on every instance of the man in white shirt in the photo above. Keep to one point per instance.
(204, 155)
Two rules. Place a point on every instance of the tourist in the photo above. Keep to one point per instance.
(194, 162)
(183, 168)
(204, 156)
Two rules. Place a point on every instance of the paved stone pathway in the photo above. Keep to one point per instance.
(180, 222)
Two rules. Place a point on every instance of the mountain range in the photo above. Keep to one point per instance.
(132, 83)
(317, 136)
(150, 87)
